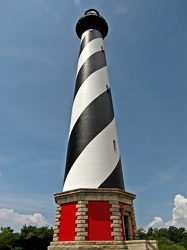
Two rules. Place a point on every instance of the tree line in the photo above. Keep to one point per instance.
(33, 238)
(171, 238)
(29, 238)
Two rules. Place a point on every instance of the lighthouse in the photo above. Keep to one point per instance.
(93, 157)
(93, 211)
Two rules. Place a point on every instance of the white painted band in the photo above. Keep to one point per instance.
(91, 48)
(92, 87)
(96, 162)
(85, 34)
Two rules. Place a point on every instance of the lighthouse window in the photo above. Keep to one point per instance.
(114, 145)
(107, 89)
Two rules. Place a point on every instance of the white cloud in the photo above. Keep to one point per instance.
(157, 222)
(120, 9)
(29, 204)
(77, 2)
(4, 160)
(179, 215)
(9, 218)
(43, 4)
(49, 9)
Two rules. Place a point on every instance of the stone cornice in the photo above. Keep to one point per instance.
(86, 194)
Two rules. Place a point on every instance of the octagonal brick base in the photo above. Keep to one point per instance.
(93, 219)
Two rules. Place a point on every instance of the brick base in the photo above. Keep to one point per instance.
(115, 203)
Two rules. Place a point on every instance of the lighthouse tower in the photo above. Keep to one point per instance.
(93, 158)
(93, 210)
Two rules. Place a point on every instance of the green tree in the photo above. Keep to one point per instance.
(8, 239)
(30, 238)
(184, 240)
(175, 247)
(142, 235)
(150, 232)
(33, 238)
(171, 238)
(163, 232)
(176, 234)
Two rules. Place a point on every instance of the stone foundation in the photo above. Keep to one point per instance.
(142, 245)
(82, 245)
(112, 203)
(106, 245)
(118, 210)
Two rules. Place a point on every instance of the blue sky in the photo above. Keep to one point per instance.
(147, 61)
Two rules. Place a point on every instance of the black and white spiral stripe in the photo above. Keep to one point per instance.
(93, 157)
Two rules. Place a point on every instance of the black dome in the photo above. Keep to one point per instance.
(91, 20)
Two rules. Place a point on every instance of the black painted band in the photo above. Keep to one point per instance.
(96, 117)
(115, 179)
(92, 64)
(92, 34)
